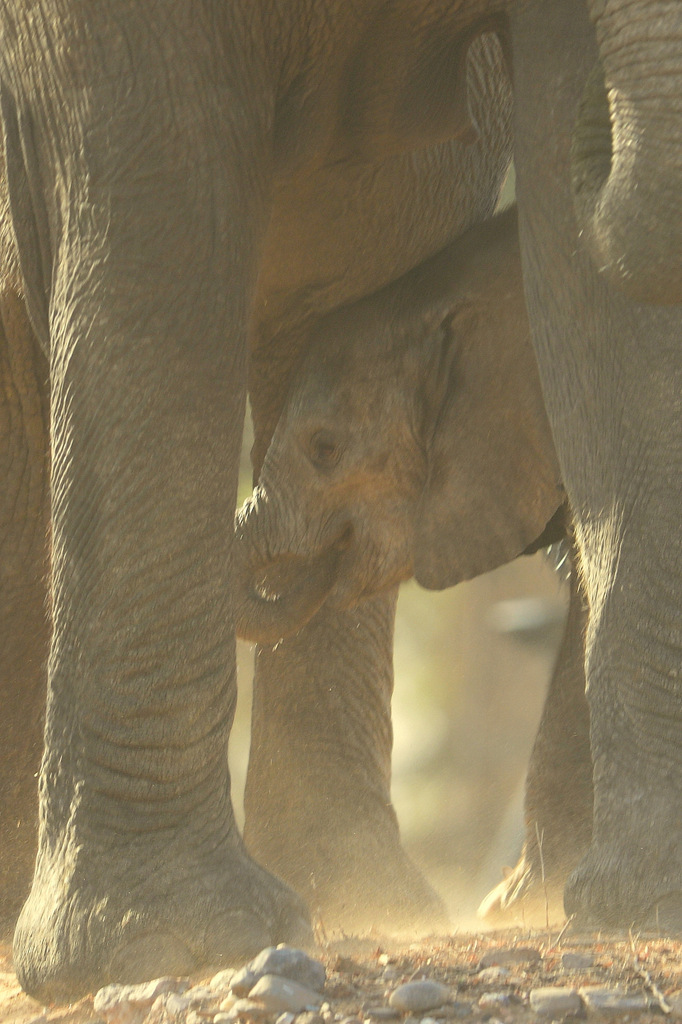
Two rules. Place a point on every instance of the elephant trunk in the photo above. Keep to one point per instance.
(277, 591)
(627, 150)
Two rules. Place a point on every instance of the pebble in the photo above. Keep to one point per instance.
(577, 961)
(285, 962)
(175, 1005)
(390, 973)
(285, 1018)
(605, 999)
(555, 1002)
(281, 995)
(308, 1018)
(222, 981)
(128, 1004)
(510, 955)
(418, 996)
(381, 1012)
(489, 975)
(248, 1008)
(494, 1000)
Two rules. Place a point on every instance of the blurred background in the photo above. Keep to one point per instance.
(472, 666)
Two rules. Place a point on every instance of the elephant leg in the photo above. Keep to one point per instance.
(318, 804)
(611, 372)
(24, 614)
(559, 797)
(153, 258)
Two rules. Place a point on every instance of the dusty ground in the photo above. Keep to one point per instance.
(361, 976)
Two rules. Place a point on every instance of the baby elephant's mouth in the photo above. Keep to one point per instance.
(278, 598)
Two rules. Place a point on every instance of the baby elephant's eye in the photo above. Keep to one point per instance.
(324, 450)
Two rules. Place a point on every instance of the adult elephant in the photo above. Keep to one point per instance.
(185, 180)
(611, 371)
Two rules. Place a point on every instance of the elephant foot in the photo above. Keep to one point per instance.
(130, 917)
(357, 884)
(523, 897)
(636, 887)
(389, 896)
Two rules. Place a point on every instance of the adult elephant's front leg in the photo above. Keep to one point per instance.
(318, 804)
(151, 254)
(24, 615)
(612, 375)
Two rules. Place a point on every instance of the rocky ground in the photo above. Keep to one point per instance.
(498, 978)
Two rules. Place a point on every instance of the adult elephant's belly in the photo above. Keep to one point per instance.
(340, 230)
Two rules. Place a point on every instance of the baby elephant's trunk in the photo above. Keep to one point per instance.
(276, 593)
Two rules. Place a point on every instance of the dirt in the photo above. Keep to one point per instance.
(360, 975)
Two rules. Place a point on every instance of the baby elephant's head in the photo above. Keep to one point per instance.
(413, 442)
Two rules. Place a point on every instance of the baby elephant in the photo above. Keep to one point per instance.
(414, 442)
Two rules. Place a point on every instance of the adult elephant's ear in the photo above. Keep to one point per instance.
(493, 480)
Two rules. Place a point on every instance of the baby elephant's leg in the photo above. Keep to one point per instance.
(318, 805)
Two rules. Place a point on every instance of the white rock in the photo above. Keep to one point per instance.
(176, 1005)
(126, 1004)
(281, 995)
(247, 1008)
(555, 1002)
(285, 962)
(489, 975)
(511, 955)
(494, 1000)
(612, 999)
(418, 996)
(222, 981)
(201, 994)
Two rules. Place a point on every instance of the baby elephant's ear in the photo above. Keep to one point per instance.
(493, 480)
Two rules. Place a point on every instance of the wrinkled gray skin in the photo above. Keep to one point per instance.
(187, 178)
(559, 797)
(24, 566)
(415, 442)
(181, 203)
